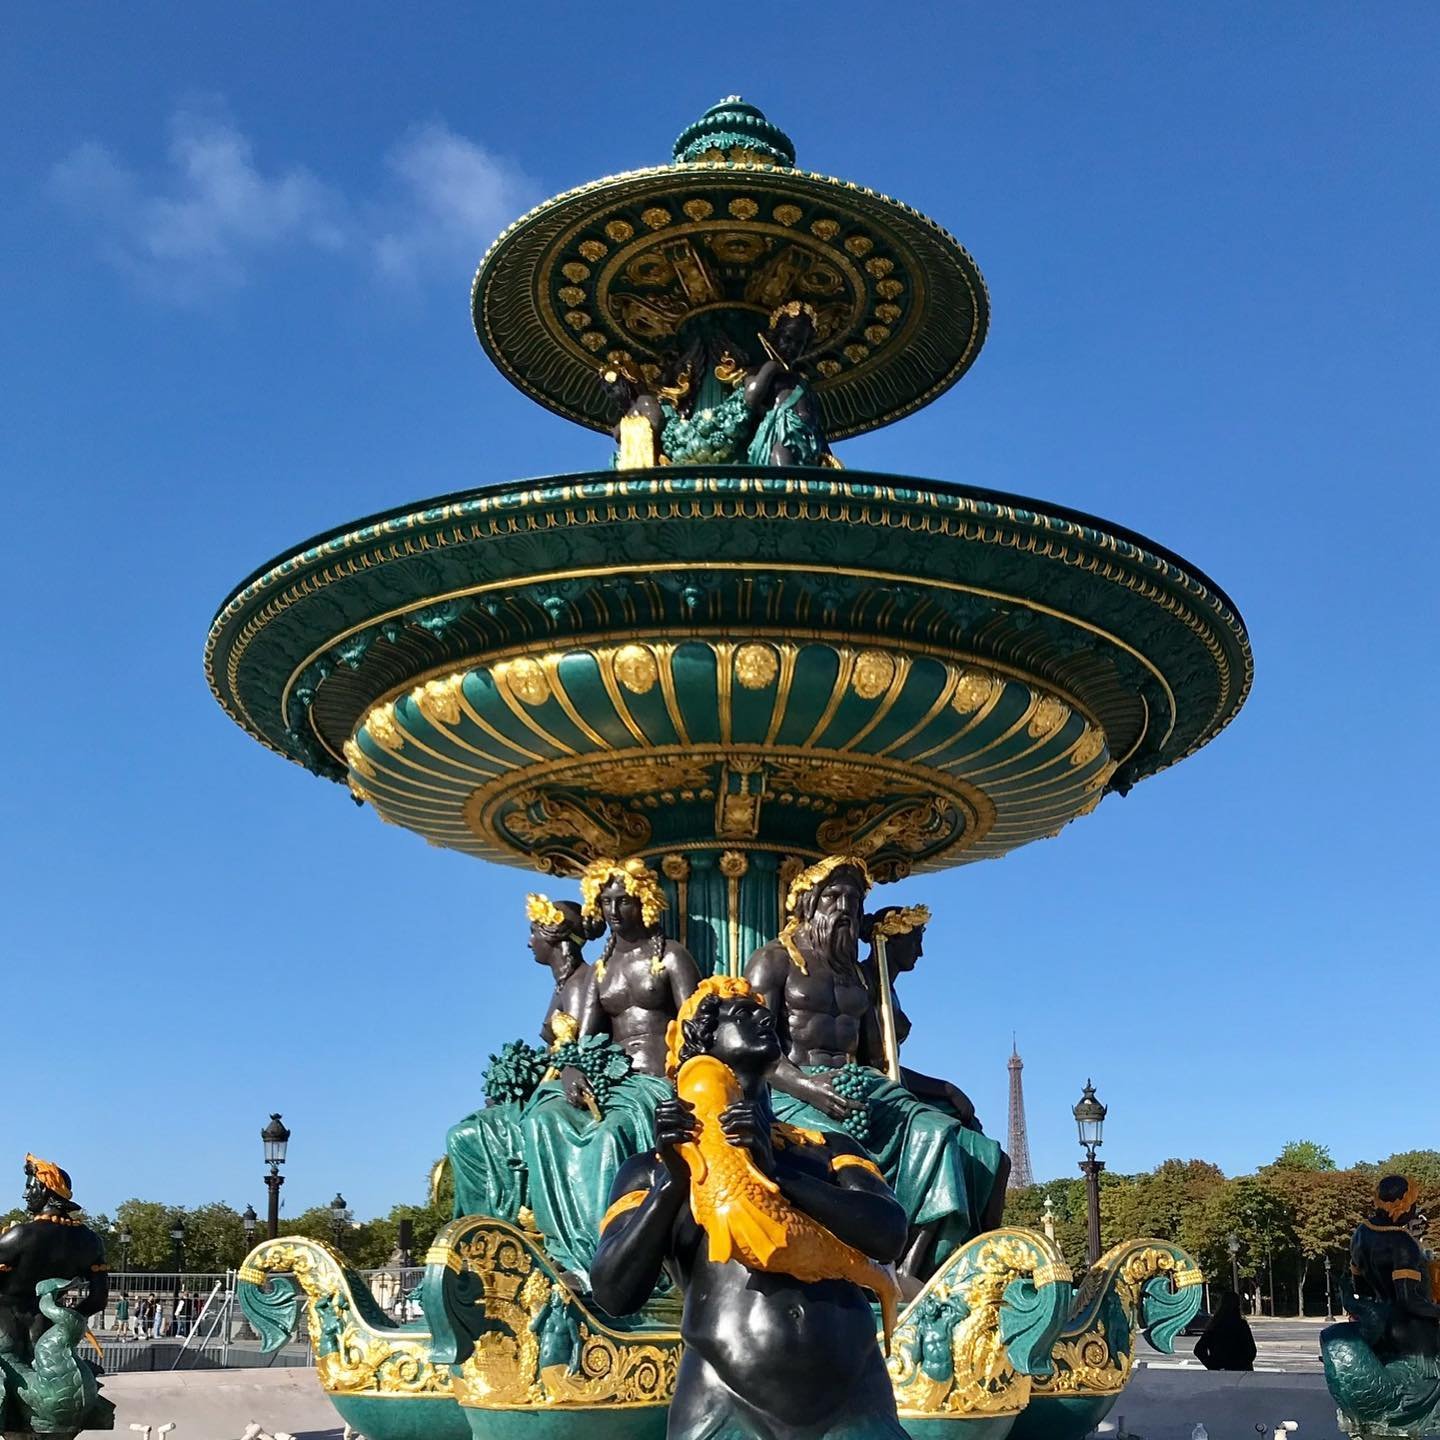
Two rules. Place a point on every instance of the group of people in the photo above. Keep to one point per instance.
(151, 1317)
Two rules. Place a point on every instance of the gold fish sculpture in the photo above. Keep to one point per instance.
(742, 1211)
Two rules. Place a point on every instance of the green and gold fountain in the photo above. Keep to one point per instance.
(725, 655)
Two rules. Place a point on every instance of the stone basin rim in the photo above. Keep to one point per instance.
(813, 482)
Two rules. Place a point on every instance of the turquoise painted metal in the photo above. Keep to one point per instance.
(729, 671)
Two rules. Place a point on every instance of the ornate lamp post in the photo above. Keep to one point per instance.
(340, 1217)
(276, 1137)
(1090, 1122)
(124, 1237)
(177, 1241)
(1233, 1246)
(1329, 1294)
(249, 1219)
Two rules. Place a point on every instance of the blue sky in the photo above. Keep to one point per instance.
(237, 244)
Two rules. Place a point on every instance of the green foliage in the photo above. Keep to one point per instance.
(513, 1073)
(1304, 1155)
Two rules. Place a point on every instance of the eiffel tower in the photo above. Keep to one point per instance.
(1021, 1173)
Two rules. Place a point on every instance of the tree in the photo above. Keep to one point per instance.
(1325, 1208)
(1252, 1210)
(149, 1223)
(1157, 1204)
(1303, 1155)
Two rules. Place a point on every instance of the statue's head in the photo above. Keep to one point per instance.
(558, 930)
(827, 901)
(902, 927)
(620, 385)
(1398, 1199)
(625, 894)
(792, 329)
(727, 1019)
(46, 1186)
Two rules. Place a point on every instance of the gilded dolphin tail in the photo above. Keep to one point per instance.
(744, 1215)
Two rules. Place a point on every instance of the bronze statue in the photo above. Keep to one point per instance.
(557, 1129)
(52, 1276)
(643, 977)
(774, 1233)
(1383, 1367)
(789, 428)
(637, 432)
(900, 930)
(950, 1178)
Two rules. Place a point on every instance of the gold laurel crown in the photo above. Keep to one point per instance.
(635, 875)
(795, 307)
(541, 910)
(901, 921)
(821, 871)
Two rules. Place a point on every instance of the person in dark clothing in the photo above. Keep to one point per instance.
(1227, 1343)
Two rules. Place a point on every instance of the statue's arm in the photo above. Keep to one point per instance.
(761, 385)
(592, 1018)
(635, 1240)
(940, 1092)
(853, 1202)
(1412, 1291)
(767, 971)
(683, 971)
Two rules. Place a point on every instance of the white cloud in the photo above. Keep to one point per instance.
(455, 197)
(204, 221)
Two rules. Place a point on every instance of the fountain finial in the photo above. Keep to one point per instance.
(734, 132)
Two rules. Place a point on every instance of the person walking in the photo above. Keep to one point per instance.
(1227, 1342)
(157, 1317)
(182, 1313)
(122, 1315)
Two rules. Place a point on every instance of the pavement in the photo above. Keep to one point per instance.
(1287, 1344)
(1159, 1404)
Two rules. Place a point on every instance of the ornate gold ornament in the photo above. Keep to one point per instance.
(675, 867)
(380, 723)
(519, 1294)
(874, 674)
(1047, 717)
(698, 210)
(743, 208)
(597, 826)
(756, 665)
(523, 677)
(636, 667)
(358, 760)
(982, 1380)
(635, 875)
(439, 700)
(637, 444)
(902, 921)
(358, 790)
(352, 1357)
(794, 308)
(1088, 747)
(541, 910)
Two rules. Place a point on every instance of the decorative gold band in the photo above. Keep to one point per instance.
(1052, 1274)
(251, 1276)
(1189, 1277)
(628, 1201)
(443, 1255)
(1406, 1275)
(841, 1162)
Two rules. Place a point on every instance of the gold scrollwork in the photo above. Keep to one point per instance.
(439, 700)
(1047, 717)
(547, 1351)
(944, 1365)
(352, 1357)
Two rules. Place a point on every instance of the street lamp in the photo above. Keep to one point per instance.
(1089, 1116)
(249, 1219)
(177, 1239)
(276, 1138)
(1233, 1246)
(124, 1238)
(1329, 1294)
(340, 1217)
